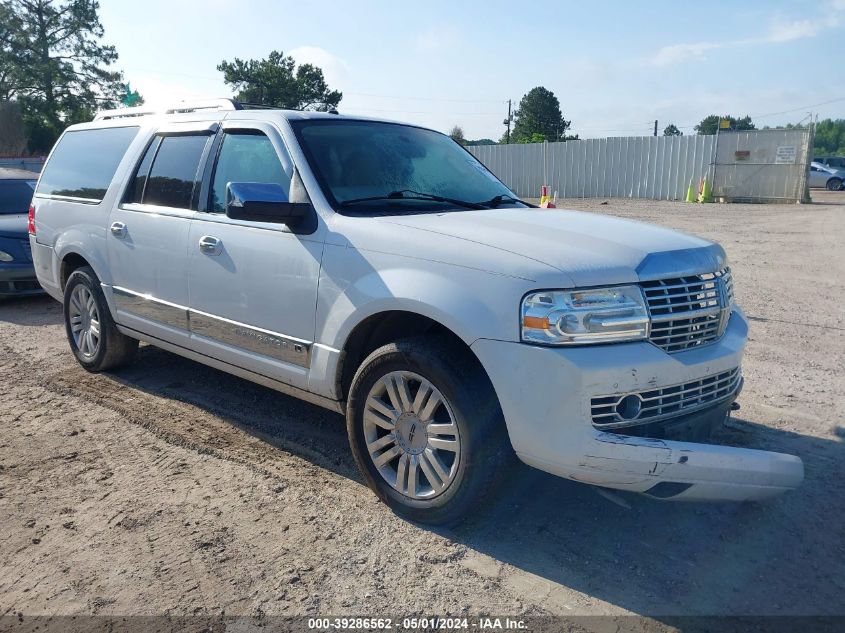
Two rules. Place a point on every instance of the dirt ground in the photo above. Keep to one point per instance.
(172, 488)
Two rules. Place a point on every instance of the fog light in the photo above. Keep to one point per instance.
(629, 407)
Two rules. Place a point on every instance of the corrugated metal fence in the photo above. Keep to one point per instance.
(32, 164)
(655, 167)
(763, 165)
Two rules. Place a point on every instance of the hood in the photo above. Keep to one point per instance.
(13, 225)
(590, 248)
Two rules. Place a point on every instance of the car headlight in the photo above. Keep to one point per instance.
(591, 315)
(5, 257)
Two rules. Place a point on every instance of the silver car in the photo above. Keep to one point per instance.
(827, 177)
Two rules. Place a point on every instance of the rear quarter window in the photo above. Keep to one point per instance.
(84, 162)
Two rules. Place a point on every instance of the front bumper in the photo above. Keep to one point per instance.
(18, 280)
(546, 393)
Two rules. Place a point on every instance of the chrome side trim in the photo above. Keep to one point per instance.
(287, 349)
(153, 209)
(265, 342)
(148, 307)
(261, 379)
(55, 196)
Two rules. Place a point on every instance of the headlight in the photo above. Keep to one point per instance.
(592, 315)
(5, 257)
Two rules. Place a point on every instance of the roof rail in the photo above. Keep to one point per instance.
(180, 108)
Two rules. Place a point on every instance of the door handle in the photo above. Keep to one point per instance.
(210, 245)
(118, 229)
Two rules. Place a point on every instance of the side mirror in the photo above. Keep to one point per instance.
(263, 202)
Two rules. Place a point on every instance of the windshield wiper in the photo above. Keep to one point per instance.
(415, 195)
(497, 200)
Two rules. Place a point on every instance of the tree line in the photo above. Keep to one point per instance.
(56, 70)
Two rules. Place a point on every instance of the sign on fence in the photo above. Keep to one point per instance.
(786, 155)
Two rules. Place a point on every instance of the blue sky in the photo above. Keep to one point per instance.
(615, 66)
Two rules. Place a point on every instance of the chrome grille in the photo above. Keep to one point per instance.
(615, 410)
(688, 311)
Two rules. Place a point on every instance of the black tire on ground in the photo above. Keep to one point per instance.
(114, 349)
(834, 184)
(485, 455)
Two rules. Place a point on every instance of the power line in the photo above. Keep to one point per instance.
(802, 108)
(768, 114)
(411, 98)
(449, 113)
(357, 94)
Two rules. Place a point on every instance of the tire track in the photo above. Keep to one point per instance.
(242, 432)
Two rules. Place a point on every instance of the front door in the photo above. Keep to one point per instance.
(148, 234)
(253, 285)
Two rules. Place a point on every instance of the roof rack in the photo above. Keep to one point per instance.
(180, 108)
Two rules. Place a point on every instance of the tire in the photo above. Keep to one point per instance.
(91, 332)
(834, 184)
(448, 479)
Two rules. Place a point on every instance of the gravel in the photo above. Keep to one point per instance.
(172, 488)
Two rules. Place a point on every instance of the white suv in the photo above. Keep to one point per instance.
(379, 270)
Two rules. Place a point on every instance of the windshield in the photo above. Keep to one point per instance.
(16, 195)
(362, 163)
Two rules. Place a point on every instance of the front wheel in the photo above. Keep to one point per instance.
(426, 429)
(834, 184)
(91, 332)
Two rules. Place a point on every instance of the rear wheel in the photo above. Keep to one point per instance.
(91, 332)
(834, 184)
(426, 430)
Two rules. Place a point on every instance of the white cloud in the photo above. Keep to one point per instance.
(335, 69)
(779, 31)
(800, 29)
(678, 53)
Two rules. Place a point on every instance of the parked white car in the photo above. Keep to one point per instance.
(827, 177)
(379, 270)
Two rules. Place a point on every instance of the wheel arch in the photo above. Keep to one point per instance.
(70, 262)
(380, 328)
(73, 249)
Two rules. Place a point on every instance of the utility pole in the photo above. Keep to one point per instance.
(507, 122)
(655, 127)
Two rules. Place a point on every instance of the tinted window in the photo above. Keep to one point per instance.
(84, 162)
(136, 187)
(174, 172)
(15, 195)
(245, 158)
(357, 159)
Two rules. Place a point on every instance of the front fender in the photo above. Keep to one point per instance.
(355, 285)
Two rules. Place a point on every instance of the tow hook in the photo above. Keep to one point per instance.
(734, 406)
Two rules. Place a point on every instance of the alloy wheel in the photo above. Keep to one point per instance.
(411, 435)
(84, 321)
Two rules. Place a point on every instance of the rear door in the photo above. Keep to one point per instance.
(253, 285)
(148, 233)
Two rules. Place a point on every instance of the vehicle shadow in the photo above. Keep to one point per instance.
(34, 310)
(650, 557)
